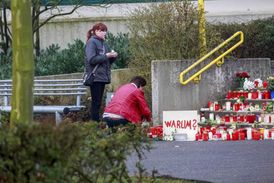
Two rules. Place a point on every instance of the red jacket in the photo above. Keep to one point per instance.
(129, 102)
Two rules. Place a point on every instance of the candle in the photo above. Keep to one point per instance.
(211, 116)
(248, 133)
(228, 105)
(266, 133)
(249, 95)
(229, 95)
(218, 119)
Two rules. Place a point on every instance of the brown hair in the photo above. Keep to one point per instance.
(139, 81)
(98, 26)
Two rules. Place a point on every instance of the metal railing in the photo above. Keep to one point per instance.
(218, 61)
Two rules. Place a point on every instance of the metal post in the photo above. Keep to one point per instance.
(58, 118)
(202, 32)
(78, 98)
(6, 97)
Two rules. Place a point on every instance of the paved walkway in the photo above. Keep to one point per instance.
(213, 161)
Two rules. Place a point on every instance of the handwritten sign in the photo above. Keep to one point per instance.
(182, 122)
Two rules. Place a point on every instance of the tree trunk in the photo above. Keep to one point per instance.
(1, 28)
(2, 36)
(23, 64)
(35, 23)
(5, 27)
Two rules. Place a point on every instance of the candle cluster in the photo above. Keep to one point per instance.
(223, 133)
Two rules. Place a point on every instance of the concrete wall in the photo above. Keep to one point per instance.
(64, 32)
(168, 94)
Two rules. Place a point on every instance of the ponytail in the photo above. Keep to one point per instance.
(89, 34)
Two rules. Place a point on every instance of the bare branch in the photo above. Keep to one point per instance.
(42, 11)
(56, 15)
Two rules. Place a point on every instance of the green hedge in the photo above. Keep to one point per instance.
(5, 62)
(53, 60)
(74, 152)
(258, 37)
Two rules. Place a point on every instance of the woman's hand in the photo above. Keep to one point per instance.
(112, 54)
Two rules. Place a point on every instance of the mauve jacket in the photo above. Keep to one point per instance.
(129, 102)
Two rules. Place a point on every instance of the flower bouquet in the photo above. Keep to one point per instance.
(240, 78)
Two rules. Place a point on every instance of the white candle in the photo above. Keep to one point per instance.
(227, 106)
(249, 133)
(266, 131)
(249, 95)
(211, 116)
(210, 135)
(259, 94)
(218, 119)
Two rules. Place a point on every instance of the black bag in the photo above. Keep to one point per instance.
(88, 77)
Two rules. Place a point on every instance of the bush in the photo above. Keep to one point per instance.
(37, 153)
(120, 43)
(55, 61)
(172, 35)
(258, 37)
(6, 63)
(68, 153)
(105, 155)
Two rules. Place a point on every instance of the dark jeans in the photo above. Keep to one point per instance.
(115, 122)
(96, 91)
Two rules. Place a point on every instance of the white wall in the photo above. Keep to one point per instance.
(64, 30)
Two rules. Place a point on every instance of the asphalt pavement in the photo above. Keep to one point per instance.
(212, 161)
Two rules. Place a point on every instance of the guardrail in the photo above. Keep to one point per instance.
(218, 61)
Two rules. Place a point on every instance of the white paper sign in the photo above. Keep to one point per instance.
(180, 122)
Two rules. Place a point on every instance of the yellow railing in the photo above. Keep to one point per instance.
(218, 61)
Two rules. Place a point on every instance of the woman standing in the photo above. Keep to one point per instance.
(98, 59)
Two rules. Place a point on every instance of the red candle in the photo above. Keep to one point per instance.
(248, 118)
(235, 135)
(202, 130)
(235, 118)
(263, 95)
(254, 95)
(236, 107)
(227, 118)
(228, 136)
(235, 94)
(217, 107)
(205, 136)
(265, 84)
(229, 95)
(241, 136)
(267, 94)
(213, 130)
(198, 136)
(218, 135)
(238, 94)
(256, 135)
(246, 94)
(241, 118)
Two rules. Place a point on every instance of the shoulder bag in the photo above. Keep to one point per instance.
(88, 77)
